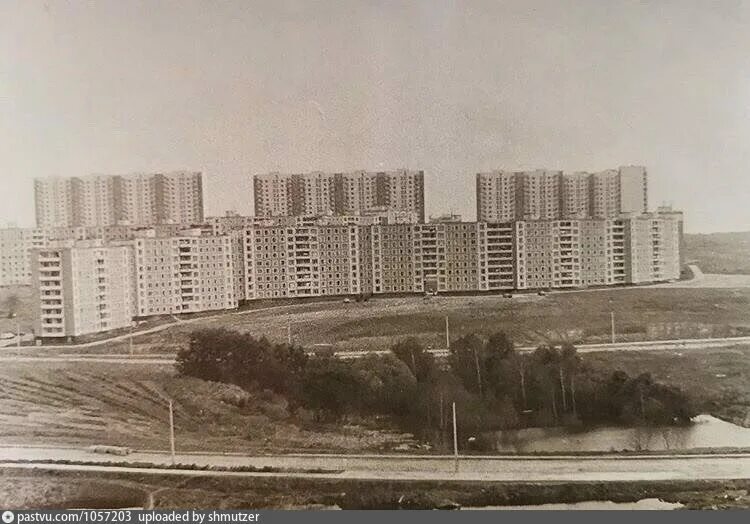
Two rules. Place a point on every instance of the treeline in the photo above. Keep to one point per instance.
(493, 385)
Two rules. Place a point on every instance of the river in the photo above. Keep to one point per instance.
(705, 432)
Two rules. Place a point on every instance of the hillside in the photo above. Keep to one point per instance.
(85, 404)
(720, 252)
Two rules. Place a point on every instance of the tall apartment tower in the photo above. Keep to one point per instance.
(93, 200)
(178, 198)
(553, 195)
(633, 189)
(136, 199)
(354, 193)
(540, 194)
(53, 199)
(106, 200)
(605, 194)
(575, 191)
(497, 199)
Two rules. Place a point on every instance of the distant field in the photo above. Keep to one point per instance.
(640, 313)
(720, 252)
(92, 403)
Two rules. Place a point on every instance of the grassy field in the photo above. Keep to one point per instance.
(717, 379)
(720, 252)
(578, 317)
(90, 403)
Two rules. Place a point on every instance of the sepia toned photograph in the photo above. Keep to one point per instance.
(261, 258)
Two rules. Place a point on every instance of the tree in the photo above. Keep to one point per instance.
(387, 385)
(331, 387)
(466, 360)
(412, 353)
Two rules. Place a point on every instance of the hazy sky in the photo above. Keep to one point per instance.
(236, 88)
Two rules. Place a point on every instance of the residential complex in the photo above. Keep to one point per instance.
(106, 200)
(554, 195)
(329, 235)
(355, 193)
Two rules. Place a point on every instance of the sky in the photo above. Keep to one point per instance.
(236, 88)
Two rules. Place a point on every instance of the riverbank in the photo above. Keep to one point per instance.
(44, 489)
(718, 378)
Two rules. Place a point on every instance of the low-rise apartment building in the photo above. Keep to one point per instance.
(81, 288)
(188, 273)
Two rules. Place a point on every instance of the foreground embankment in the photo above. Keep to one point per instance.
(57, 489)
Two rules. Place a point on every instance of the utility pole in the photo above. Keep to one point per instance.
(612, 324)
(447, 334)
(18, 339)
(171, 430)
(289, 332)
(130, 339)
(455, 438)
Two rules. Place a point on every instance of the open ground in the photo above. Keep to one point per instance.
(87, 403)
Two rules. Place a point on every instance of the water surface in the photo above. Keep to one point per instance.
(705, 432)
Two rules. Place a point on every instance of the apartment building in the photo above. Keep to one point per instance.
(554, 195)
(81, 287)
(188, 273)
(540, 194)
(633, 192)
(392, 265)
(574, 195)
(652, 245)
(303, 260)
(15, 254)
(53, 202)
(496, 248)
(354, 193)
(178, 198)
(93, 201)
(605, 194)
(497, 196)
(106, 200)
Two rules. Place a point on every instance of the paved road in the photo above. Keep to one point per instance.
(708, 280)
(168, 359)
(156, 329)
(413, 467)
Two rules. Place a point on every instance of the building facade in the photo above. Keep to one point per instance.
(554, 195)
(354, 193)
(81, 288)
(107, 200)
(188, 273)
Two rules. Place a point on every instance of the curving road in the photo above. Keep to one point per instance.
(407, 467)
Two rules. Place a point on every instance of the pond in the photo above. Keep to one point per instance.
(705, 432)
(643, 504)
